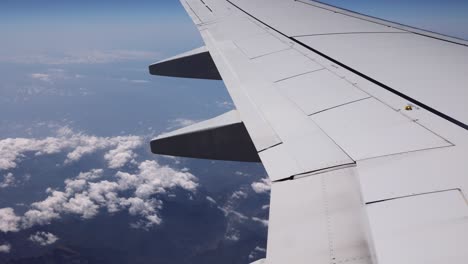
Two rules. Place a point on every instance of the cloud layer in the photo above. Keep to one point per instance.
(120, 149)
(138, 191)
(84, 57)
(84, 196)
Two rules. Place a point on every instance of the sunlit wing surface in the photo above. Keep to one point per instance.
(360, 123)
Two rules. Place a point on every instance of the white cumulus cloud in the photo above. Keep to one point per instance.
(138, 191)
(43, 238)
(263, 186)
(8, 180)
(91, 175)
(5, 248)
(120, 149)
(9, 221)
(84, 197)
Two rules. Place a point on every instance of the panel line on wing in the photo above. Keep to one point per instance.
(388, 23)
(347, 33)
(297, 75)
(335, 11)
(422, 105)
(318, 172)
(265, 149)
(355, 101)
(428, 108)
(412, 195)
(405, 152)
(324, 170)
(193, 12)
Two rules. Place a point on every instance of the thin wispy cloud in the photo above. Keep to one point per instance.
(225, 104)
(41, 76)
(133, 80)
(54, 74)
(211, 200)
(51, 81)
(256, 252)
(82, 57)
(263, 222)
(180, 122)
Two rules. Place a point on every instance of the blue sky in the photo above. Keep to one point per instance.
(31, 27)
(163, 26)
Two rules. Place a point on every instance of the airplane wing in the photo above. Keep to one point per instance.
(360, 123)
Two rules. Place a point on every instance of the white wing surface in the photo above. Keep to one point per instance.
(360, 123)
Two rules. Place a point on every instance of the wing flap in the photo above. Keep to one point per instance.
(415, 172)
(425, 228)
(317, 219)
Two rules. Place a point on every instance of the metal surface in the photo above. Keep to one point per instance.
(203, 12)
(295, 18)
(428, 228)
(221, 138)
(196, 64)
(306, 144)
(368, 129)
(359, 122)
(317, 219)
(285, 64)
(261, 45)
(235, 28)
(260, 130)
(319, 90)
(428, 70)
(416, 172)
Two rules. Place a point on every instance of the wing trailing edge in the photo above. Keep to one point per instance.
(196, 64)
(221, 138)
